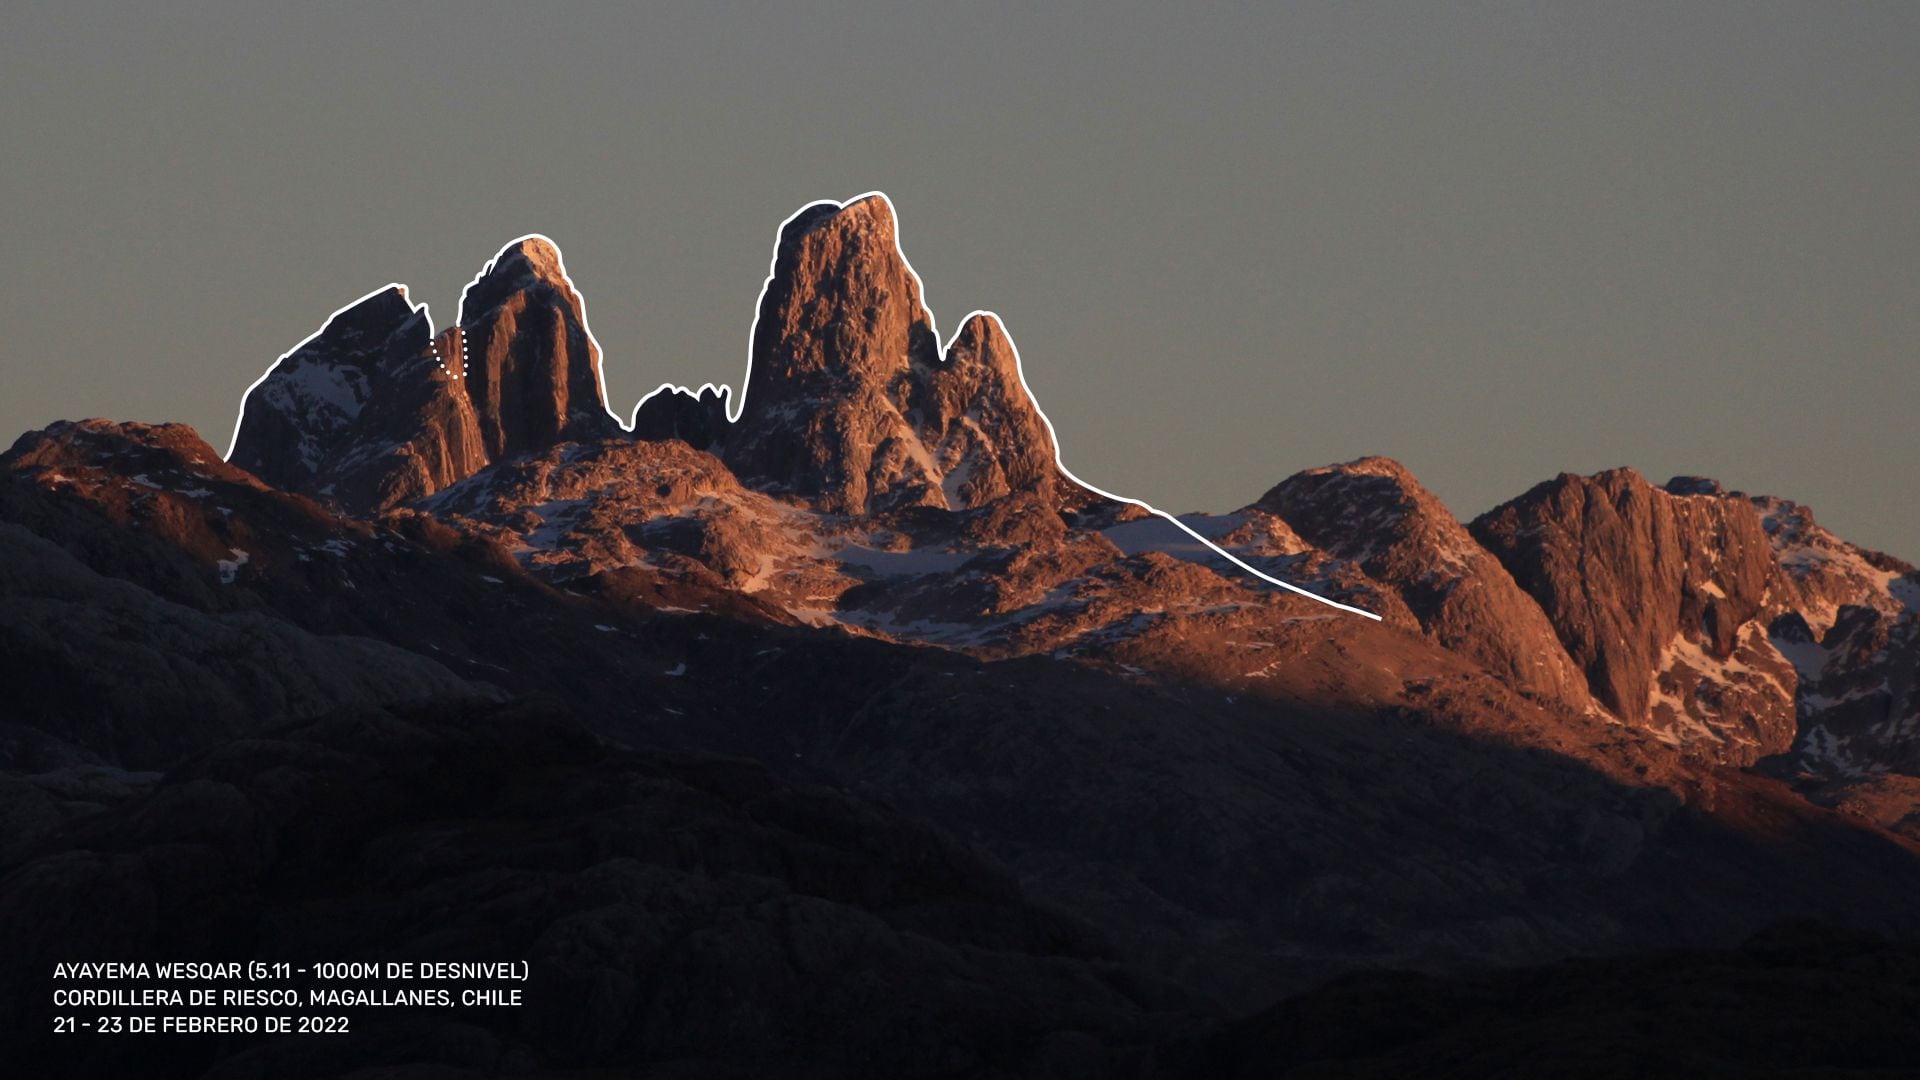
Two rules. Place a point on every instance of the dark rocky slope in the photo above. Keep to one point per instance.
(1239, 838)
(682, 915)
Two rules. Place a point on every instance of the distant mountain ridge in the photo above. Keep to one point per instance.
(1669, 609)
(850, 401)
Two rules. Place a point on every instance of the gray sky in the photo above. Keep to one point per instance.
(1496, 242)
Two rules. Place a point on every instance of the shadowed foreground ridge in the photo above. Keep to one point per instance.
(851, 737)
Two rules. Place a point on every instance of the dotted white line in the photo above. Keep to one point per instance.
(434, 351)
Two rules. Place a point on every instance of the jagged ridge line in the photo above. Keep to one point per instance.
(737, 404)
(459, 322)
(737, 408)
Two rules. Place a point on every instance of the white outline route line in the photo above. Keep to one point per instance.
(459, 320)
(737, 404)
(1053, 437)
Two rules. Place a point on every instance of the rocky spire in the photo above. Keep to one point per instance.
(839, 334)
(849, 401)
(532, 369)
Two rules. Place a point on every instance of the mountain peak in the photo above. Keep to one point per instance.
(1629, 573)
(1373, 512)
(869, 215)
(1372, 465)
(983, 340)
(974, 414)
(300, 416)
(850, 400)
(532, 255)
(362, 330)
(379, 313)
(529, 363)
(528, 262)
(839, 333)
(840, 299)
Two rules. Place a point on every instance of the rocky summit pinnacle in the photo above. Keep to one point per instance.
(849, 400)
(531, 368)
(840, 331)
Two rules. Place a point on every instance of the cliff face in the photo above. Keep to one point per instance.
(1655, 595)
(530, 366)
(418, 435)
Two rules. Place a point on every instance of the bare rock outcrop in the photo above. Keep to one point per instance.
(1374, 513)
(531, 368)
(1655, 594)
(840, 331)
(376, 411)
(697, 418)
(977, 420)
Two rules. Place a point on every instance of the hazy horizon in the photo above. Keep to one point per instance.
(1494, 243)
